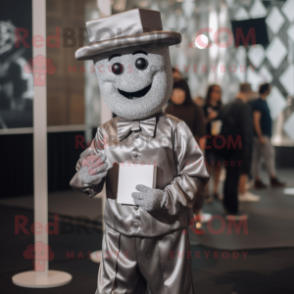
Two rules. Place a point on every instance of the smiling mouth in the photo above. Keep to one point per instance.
(135, 95)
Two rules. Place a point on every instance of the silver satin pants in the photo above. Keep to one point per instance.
(135, 265)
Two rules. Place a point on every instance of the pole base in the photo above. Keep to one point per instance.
(96, 256)
(29, 279)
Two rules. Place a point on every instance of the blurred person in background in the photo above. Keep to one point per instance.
(244, 194)
(262, 139)
(199, 101)
(211, 108)
(237, 127)
(177, 74)
(183, 107)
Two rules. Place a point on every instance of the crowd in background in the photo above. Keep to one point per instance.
(234, 138)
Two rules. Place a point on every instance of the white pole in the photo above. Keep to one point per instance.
(40, 137)
(41, 277)
(104, 7)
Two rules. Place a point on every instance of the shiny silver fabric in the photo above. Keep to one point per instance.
(130, 28)
(123, 24)
(124, 127)
(181, 173)
(147, 252)
(136, 265)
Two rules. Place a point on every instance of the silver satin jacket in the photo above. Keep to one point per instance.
(181, 172)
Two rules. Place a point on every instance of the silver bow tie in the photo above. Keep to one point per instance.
(124, 127)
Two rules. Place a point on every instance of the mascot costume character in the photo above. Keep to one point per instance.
(145, 246)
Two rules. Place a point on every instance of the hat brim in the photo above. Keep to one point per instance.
(167, 38)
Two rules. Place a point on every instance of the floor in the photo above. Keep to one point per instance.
(215, 271)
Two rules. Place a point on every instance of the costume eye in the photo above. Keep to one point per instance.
(117, 68)
(141, 63)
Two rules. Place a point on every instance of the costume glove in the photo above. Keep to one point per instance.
(149, 199)
(94, 169)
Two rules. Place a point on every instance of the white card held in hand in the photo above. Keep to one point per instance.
(132, 175)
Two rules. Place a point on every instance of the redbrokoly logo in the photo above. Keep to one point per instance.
(39, 67)
(38, 252)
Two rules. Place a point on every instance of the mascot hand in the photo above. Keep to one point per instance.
(149, 199)
(94, 169)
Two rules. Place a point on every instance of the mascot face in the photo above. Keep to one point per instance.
(135, 82)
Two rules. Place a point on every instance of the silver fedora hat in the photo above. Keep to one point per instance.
(130, 28)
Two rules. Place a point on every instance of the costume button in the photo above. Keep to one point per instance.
(136, 207)
(136, 224)
(136, 136)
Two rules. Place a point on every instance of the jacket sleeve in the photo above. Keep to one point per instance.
(187, 187)
(97, 147)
